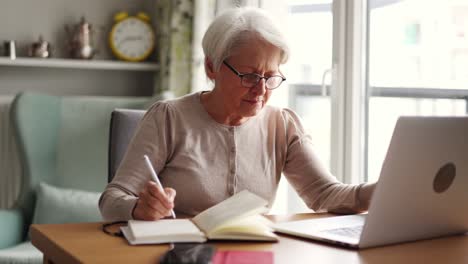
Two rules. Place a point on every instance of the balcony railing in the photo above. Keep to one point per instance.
(396, 92)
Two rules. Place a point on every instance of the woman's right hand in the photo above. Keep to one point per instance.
(153, 204)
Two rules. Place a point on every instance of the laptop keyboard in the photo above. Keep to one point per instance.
(351, 231)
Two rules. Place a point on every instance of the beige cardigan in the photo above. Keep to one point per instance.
(206, 162)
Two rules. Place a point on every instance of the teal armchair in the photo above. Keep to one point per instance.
(62, 141)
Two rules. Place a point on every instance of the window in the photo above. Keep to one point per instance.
(387, 58)
(309, 28)
(418, 61)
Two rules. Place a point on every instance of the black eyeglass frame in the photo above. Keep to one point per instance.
(259, 77)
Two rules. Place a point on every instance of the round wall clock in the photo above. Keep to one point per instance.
(132, 38)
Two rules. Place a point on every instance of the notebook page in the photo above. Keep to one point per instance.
(164, 227)
(160, 239)
(240, 205)
(254, 227)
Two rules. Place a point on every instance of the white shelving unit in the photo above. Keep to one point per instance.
(60, 75)
(79, 64)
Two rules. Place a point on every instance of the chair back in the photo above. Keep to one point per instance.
(63, 141)
(122, 127)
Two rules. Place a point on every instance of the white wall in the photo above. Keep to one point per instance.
(23, 21)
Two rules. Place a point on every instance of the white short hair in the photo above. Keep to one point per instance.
(232, 28)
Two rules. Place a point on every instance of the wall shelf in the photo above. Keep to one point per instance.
(61, 75)
(79, 64)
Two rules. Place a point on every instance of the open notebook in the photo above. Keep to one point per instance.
(236, 218)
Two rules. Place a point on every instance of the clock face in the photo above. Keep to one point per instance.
(132, 39)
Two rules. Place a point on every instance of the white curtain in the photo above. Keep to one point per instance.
(204, 12)
(174, 27)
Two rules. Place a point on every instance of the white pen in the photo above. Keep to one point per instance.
(155, 178)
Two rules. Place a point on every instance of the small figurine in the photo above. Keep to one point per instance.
(40, 49)
(79, 42)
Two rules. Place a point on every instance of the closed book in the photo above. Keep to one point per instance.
(242, 257)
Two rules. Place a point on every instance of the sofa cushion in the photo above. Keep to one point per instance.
(22, 253)
(59, 205)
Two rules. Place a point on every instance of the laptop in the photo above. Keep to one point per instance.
(421, 193)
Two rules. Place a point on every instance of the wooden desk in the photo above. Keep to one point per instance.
(86, 243)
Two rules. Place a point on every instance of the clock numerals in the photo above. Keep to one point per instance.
(132, 39)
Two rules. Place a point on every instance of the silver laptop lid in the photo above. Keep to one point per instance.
(422, 190)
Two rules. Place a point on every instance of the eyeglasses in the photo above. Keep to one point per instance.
(250, 80)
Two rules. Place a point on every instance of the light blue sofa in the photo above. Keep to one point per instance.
(63, 141)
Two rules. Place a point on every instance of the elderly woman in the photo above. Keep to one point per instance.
(210, 145)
